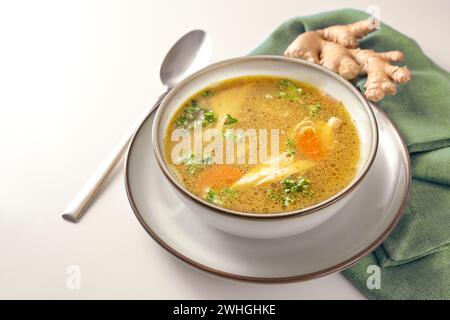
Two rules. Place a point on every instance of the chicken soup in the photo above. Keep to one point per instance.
(262, 144)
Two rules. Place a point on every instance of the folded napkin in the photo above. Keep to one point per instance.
(415, 259)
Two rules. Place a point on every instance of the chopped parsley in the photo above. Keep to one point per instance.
(194, 114)
(228, 194)
(208, 93)
(193, 108)
(211, 197)
(182, 121)
(288, 90)
(229, 120)
(189, 159)
(284, 84)
(286, 201)
(208, 118)
(271, 194)
(292, 148)
(314, 109)
(208, 160)
(218, 198)
(301, 185)
(193, 165)
(290, 189)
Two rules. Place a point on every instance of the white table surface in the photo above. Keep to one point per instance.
(74, 75)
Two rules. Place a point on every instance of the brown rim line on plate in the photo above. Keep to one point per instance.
(271, 216)
(274, 280)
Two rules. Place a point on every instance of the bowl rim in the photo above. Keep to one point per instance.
(267, 216)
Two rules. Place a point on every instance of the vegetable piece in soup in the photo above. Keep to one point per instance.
(262, 144)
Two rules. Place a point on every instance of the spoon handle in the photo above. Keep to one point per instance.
(77, 207)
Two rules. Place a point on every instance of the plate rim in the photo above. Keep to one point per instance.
(274, 280)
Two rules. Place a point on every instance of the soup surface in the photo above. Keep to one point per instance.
(311, 147)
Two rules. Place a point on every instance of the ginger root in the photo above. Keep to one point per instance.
(336, 48)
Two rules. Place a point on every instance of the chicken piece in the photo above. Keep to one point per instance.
(313, 141)
(229, 102)
(273, 170)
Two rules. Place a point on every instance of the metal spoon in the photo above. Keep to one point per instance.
(190, 53)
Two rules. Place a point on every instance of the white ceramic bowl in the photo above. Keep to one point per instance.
(277, 225)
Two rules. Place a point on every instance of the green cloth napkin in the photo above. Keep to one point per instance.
(415, 259)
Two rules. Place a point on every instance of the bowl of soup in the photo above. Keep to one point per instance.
(266, 146)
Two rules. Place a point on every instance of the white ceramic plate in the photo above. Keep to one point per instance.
(336, 244)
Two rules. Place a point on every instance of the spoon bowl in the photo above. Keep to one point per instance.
(190, 53)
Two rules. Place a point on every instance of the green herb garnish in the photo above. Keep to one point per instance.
(207, 160)
(193, 108)
(189, 115)
(286, 201)
(208, 118)
(229, 120)
(286, 84)
(292, 148)
(228, 194)
(211, 197)
(300, 185)
(288, 90)
(208, 93)
(182, 121)
(190, 159)
(193, 165)
(314, 109)
(290, 189)
(193, 115)
(271, 194)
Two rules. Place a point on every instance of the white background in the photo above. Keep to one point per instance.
(74, 75)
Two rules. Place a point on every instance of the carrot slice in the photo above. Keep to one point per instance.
(309, 144)
(217, 176)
